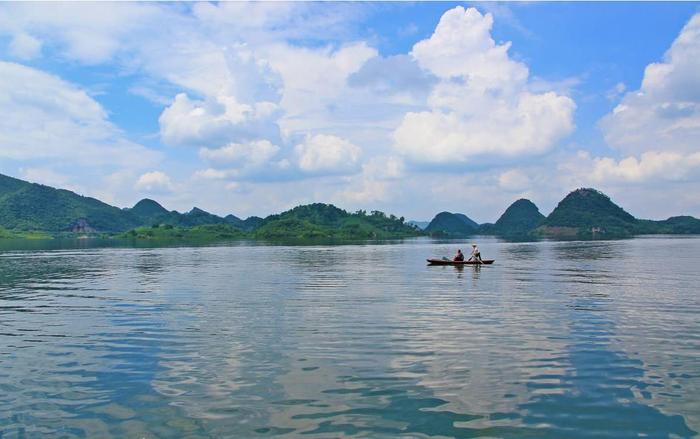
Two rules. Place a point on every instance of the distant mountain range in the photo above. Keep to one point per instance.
(584, 212)
(27, 208)
(30, 207)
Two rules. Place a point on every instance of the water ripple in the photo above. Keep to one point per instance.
(578, 339)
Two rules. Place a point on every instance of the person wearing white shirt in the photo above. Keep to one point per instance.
(476, 254)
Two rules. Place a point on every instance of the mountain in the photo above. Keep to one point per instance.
(327, 221)
(198, 217)
(468, 221)
(456, 224)
(30, 206)
(420, 224)
(520, 218)
(586, 211)
(676, 225)
(149, 212)
(251, 223)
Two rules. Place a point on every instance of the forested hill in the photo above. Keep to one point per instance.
(519, 218)
(28, 206)
(327, 221)
(452, 224)
(586, 212)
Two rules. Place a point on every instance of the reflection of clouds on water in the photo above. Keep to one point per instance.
(334, 341)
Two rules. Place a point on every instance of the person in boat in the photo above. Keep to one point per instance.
(459, 257)
(476, 254)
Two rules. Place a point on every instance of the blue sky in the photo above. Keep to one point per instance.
(410, 108)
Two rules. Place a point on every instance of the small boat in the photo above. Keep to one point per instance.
(449, 262)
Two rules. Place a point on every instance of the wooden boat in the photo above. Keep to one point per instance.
(449, 262)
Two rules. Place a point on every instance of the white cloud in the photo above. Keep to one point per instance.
(44, 117)
(84, 32)
(313, 79)
(154, 182)
(482, 106)
(326, 154)
(514, 180)
(214, 121)
(212, 174)
(241, 155)
(653, 167)
(461, 46)
(24, 46)
(664, 114)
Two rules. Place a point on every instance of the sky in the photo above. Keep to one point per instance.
(409, 108)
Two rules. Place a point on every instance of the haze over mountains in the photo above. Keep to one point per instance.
(584, 212)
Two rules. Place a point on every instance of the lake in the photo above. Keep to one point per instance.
(555, 340)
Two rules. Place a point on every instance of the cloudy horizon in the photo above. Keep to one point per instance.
(412, 109)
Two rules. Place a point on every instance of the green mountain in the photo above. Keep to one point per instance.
(676, 225)
(33, 210)
(520, 218)
(251, 223)
(451, 224)
(29, 206)
(327, 221)
(588, 211)
(149, 212)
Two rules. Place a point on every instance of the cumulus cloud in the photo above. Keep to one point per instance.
(327, 154)
(214, 121)
(406, 77)
(664, 114)
(154, 182)
(461, 46)
(313, 80)
(44, 117)
(481, 106)
(652, 167)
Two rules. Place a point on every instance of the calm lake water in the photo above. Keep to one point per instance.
(555, 340)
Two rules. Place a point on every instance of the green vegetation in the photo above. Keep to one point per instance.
(34, 211)
(519, 219)
(314, 221)
(586, 212)
(28, 206)
(326, 221)
(149, 212)
(451, 224)
(677, 225)
(206, 232)
(590, 213)
(7, 234)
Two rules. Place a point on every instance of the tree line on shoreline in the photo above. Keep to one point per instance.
(30, 210)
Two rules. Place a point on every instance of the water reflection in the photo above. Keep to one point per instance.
(554, 340)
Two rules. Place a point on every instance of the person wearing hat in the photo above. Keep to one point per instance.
(476, 254)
